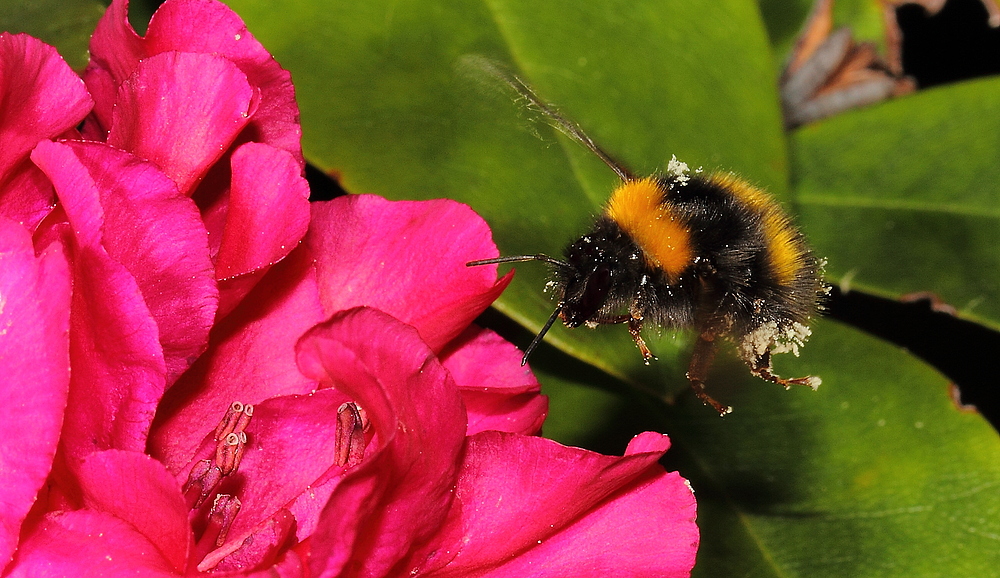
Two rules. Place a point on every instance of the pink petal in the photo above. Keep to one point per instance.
(498, 392)
(407, 259)
(88, 544)
(181, 24)
(269, 229)
(268, 211)
(167, 254)
(182, 111)
(199, 26)
(137, 489)
(531, 507)
(42, 98)
(34, 344)
(115, 51)
(104, 90)
(28, 196)
(397, 497)
(118, 367)
(290, 565)
(251, 358)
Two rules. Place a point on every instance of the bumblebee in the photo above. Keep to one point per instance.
(685, 251)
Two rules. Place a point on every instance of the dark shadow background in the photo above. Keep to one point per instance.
(956, 44)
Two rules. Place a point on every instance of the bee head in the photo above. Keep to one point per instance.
(587, 281)
(584, 280)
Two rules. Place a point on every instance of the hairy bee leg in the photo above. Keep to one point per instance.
(697, 374)
(761, 367)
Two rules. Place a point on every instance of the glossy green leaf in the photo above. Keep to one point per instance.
(875, 474)
(903, 197)
(65, 24)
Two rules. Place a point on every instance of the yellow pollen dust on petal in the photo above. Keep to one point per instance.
(638, 208)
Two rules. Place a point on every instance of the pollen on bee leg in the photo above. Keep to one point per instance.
(351, 425)
(761, 367)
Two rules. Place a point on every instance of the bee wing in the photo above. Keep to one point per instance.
(475, 65)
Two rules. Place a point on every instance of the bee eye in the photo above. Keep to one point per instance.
(592, 298)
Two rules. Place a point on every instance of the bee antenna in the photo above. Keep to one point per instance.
(520, 258)
(541, 334)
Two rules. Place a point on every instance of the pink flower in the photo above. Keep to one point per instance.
(206, 374)
(205, 102)
(34, 349)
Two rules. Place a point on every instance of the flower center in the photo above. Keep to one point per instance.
(206, 475)
(204, 480)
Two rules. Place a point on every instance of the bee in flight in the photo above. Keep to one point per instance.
(684, 251)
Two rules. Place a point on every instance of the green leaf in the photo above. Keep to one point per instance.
(784, 20)
(65, 24)
(903, 197)
(874, 474)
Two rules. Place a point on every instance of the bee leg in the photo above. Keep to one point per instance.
(761, 367)
(701, 361)
(634, 327)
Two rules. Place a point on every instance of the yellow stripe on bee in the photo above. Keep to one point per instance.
(786, 255)
(637, 207)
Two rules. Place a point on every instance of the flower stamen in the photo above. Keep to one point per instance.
(229, 452)
(201, 482)
(236, 419)
(220, 520)
(351, 425)
(230, 443)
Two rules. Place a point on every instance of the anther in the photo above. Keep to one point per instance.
(229, 452)
(201, 482)
(230, 443)
(351, 426)
(205, 554)
(220, 519)
(236, 420)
